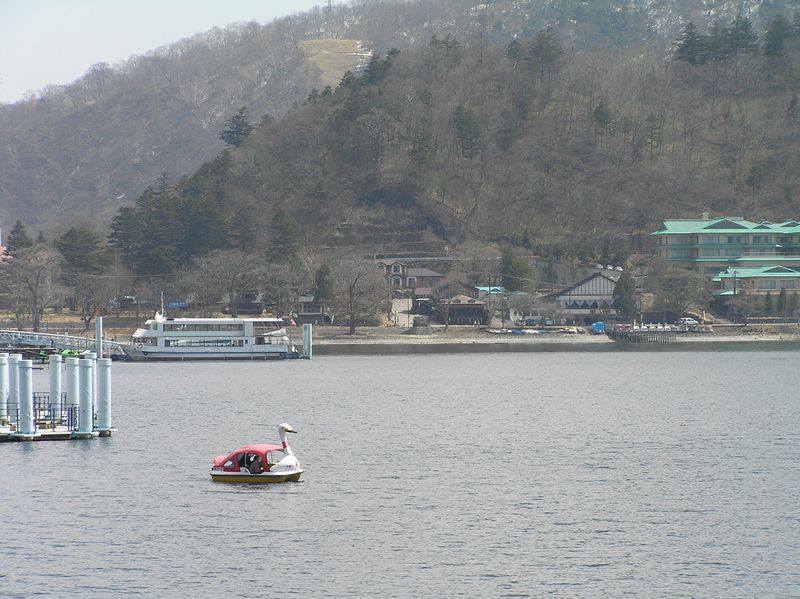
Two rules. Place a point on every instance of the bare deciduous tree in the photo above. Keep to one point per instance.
(677, 289)
(232, 272)
(30, 280)
(89, 294)
(360, 289)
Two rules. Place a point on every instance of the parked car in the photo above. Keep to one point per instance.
(687, 322)
(534, 322)
(125, 302)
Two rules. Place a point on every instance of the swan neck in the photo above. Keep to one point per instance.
(284, 442)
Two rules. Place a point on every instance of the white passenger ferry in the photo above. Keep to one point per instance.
(210, 339)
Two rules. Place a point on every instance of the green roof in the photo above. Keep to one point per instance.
(724, 224)
(764, 272)
(774, 258)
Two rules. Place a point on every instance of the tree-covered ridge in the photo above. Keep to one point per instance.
(529, 144)
(533, 144)
(75, 153)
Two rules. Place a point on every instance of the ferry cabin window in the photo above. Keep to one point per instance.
(203, 327)
(203, 342)
(145, 340)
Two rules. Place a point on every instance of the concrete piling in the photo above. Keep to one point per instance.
(73, 381)
(55, 386)
(308, 343)
(27, 426)
(13, 385)
(3, 388)
(55, 415)
(85, 416)
(104, 396)
(98, 334)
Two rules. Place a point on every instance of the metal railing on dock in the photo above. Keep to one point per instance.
(649, 335)
(46, 416)
(83, 412)
(12, 337)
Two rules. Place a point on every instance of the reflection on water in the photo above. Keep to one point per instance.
(476, 474)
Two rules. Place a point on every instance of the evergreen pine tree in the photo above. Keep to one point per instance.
(82, 250)
(18, 239)
(514, 51)
(777, 32)
(741, 36)
(782, 302)
(602, 116)
(690, 45)
(544, 54)
(625, 297)
(237, 128)
(793, 110)
(717, 46)
(323, 285)
(653, 131)
(605, 254)
(768, 304)
(516, 273)
(422, 151)
(124, 234)
(284, 241)
(468, 132)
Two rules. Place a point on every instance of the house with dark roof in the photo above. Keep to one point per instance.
(587, 301)
(310, 310)
(462, 309)
(402, 276)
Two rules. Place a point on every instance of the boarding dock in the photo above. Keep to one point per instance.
(80, 408)
(636, 334)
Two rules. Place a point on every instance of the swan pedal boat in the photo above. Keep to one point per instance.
(259, 463)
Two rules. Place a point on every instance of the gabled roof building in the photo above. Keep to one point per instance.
(757, 281)
(712, 245)
(587, 300)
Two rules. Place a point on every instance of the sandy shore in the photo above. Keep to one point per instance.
(462, 335)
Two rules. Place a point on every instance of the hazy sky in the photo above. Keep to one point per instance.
(46, 42)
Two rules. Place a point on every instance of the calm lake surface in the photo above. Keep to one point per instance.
(568, 474)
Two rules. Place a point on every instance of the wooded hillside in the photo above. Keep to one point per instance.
(531, 144)
(76, 153)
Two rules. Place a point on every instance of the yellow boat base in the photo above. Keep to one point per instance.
(255, 478)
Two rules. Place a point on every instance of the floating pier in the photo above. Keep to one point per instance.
(82, 411)
(631, 335)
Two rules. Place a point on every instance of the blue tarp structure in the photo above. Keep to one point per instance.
(598, 328)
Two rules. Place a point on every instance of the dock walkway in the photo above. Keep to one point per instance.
(14, 338)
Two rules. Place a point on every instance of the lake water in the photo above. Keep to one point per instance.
(606, 474)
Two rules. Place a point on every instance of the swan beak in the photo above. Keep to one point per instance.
(291, 430)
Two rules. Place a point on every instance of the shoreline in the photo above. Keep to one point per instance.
(330, 340)
(327, 341)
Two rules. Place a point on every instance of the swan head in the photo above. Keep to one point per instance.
(286, 428)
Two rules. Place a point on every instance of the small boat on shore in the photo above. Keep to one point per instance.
(259, 463)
